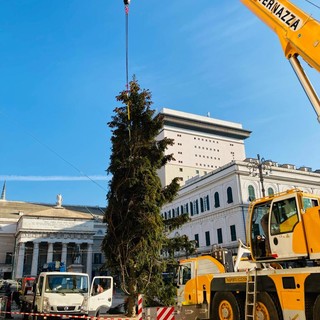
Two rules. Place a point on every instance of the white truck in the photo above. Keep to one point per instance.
(67, 294)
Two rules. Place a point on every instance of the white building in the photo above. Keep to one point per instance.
(201, 144)
(34, 235)
(218, 202)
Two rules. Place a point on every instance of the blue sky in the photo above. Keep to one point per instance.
(63, 62)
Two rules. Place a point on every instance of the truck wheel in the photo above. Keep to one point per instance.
(316, 309)
(225, 307)
(266, 308)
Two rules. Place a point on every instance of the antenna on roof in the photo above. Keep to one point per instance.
(3, 193)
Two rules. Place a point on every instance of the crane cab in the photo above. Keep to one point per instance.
(285, 226)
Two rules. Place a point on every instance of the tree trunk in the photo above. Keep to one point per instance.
(131, 307)
(132, 296)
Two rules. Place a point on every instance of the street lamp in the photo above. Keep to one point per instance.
(262, 168)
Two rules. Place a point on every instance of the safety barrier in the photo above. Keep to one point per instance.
(3, 306)
(140, 306)
(65, 316)
(165, 313)
(159, 313)
(154, 313)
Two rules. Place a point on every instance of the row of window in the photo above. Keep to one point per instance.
(207, 140)
(196, 206)
(210, 149)
(252, 194)
(205, 165)
(192, 208)
(233, 236)
(208, 157)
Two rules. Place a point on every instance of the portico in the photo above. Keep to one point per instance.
(53, 235)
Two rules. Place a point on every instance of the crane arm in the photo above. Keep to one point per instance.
(299, 35)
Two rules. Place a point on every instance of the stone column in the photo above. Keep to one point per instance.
(35, 257)
(20, 262)
(64, 254)
(50, 252)
(89, 260)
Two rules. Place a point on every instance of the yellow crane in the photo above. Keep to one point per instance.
(299, 35)
(275, 277)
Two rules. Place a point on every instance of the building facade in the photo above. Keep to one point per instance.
(201, 144)
(35, 235)
(217, 203)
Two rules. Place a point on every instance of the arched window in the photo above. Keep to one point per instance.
(252, 195)
(229, 195)
(206, 202)
(191, 208)
(201, 205)
(270, 192)
(216, 200)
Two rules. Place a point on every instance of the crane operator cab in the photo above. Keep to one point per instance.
(285, 227)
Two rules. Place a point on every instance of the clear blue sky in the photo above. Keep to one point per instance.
(63, 62)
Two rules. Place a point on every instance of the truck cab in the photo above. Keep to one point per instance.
(284, 227)
(70, 293)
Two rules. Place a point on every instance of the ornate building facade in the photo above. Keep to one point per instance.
(36, 235)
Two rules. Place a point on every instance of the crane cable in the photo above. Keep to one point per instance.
(126, 8)
(311, 2)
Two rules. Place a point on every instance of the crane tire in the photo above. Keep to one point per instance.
(266, 307)
(225, 306)
(316, 309)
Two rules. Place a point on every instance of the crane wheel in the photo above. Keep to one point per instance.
(225, 306)
(266, 307)
(316, 309)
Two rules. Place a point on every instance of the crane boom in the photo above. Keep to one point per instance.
(299, 35)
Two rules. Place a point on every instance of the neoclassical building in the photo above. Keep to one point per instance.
(34, 235)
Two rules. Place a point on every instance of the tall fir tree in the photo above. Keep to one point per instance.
(135, 229)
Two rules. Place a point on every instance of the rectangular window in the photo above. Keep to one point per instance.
(219, 235)
(97, 258)
(233, 233)
(206, 203)
(208, 238)
(8, 258)
(201, 205)
(196, 239)
(191, 208)
(196, 206)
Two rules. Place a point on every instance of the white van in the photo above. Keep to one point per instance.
(61, 294)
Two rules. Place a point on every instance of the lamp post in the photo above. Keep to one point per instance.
(261, 168)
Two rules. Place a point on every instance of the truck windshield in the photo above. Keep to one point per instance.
(67, 284)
